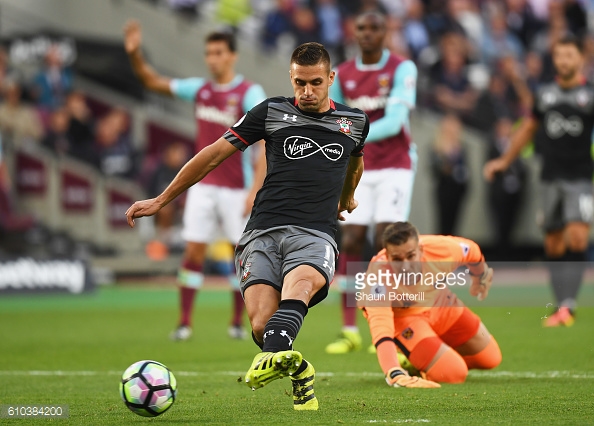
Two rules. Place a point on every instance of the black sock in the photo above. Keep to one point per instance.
(282, 327)
(575, 266)
(556, 269)
(256, 341)
(301, 368)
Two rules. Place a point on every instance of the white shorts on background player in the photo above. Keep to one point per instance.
(210, 208)
(384, 196)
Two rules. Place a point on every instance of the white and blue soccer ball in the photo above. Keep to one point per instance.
(148, 388)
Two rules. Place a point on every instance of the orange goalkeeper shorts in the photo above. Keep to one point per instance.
(454, 325)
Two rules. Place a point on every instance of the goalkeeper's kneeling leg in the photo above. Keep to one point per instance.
(438, 361)
(489, 357)
(448, 368)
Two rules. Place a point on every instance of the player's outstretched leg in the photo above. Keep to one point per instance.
(303, 391)
(269, 366)
(278, 359)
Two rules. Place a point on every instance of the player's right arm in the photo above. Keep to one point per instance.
(520, 139)
(192, 172)
(247, 131)
(149, 78)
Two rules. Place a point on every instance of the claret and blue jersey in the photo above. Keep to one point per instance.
(217, 107)
(386, 91)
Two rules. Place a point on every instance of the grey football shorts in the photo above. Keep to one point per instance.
(267, 256)
(564, 201)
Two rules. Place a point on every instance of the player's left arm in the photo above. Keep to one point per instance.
(192, 172)
(354, 172)
(401, 101)
(469, 254)
(255, 95)
(347, 197)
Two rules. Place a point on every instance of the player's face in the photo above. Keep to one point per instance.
(370, 32)
(405, 256)
(310, 85)
(219, 58)
(568, 60)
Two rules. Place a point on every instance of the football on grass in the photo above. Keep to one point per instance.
(148, 388)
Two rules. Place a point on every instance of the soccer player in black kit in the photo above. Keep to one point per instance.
(562, 121)
(286, 257)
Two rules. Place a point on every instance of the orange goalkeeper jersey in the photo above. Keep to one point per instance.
(441, 255)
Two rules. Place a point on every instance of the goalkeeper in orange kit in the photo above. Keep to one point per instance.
(414, 311)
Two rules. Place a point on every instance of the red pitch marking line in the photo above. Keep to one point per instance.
(494, 374)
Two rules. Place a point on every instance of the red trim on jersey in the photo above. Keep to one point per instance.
(239, 137)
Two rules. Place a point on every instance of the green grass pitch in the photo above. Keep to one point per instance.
(72, 350)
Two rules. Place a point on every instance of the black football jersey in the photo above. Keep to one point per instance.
(565, 136)
(307, 155)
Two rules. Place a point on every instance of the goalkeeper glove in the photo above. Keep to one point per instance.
(398, 378)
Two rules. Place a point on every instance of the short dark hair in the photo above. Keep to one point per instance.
(373, 14)
(571, 39)
(222, 36)
(309, 54)
(399, 233)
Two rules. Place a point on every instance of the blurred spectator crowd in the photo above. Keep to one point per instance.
(477, 59)
(47, 111)
(479, 62)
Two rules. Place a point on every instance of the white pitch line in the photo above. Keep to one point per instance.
(563, 374)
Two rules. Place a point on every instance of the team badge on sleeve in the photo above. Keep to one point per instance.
(246, 272)
(345, 125)
(465, 249)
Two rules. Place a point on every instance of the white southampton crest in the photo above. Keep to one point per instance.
(344, 125)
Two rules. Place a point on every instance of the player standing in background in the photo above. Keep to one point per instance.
(562, 121)
(286, 256)
(441, 337)
(384, 86)
(225, 196)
